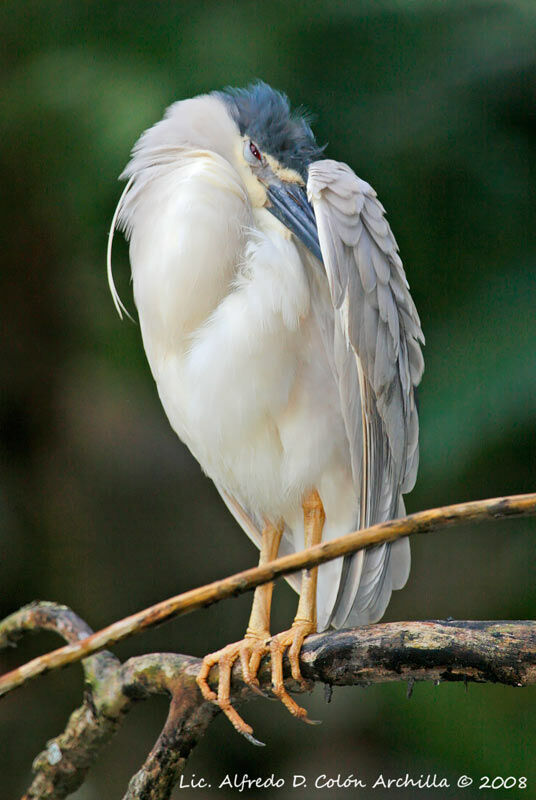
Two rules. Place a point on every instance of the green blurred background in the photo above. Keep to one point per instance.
(103, 509)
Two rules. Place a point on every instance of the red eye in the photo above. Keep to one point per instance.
(255, 151)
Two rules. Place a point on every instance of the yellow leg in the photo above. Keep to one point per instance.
(257, 642)
(249, 650)
(305, 619)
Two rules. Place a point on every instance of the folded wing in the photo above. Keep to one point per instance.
(378, 361)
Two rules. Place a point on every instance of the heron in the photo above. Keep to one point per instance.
(286, 349)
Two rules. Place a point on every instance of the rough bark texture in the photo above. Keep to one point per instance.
(497, 652)
(422, 522)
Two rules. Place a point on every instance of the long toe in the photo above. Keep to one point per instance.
(251, 655)
(293, 640)
(250, 652)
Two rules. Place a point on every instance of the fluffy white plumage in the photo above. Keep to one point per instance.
(251, 342)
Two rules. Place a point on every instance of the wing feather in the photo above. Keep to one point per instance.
(378, 356)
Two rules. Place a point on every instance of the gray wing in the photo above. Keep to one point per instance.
(378, 364)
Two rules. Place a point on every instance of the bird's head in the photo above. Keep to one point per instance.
(276, 138)
(255, 130)
(273, 154)
(267, 144)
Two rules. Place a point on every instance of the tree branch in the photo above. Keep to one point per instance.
(495, 652)
(109, 692)
(62, 767)
(422, 522)
(498, 652)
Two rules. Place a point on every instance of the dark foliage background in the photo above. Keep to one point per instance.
(103, 509)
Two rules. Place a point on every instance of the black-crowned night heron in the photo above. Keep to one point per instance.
(280, 331)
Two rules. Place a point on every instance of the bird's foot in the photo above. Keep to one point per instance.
(250, 651)
(293, 640)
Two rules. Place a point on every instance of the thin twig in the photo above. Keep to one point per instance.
(422, 522)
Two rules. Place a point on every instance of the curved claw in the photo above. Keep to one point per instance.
(250, 652)
(293, 640)
(251, 739)
(257, 689)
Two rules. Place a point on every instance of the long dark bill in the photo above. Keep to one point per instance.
(290, 205)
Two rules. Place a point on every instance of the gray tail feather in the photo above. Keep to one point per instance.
(366, 584)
